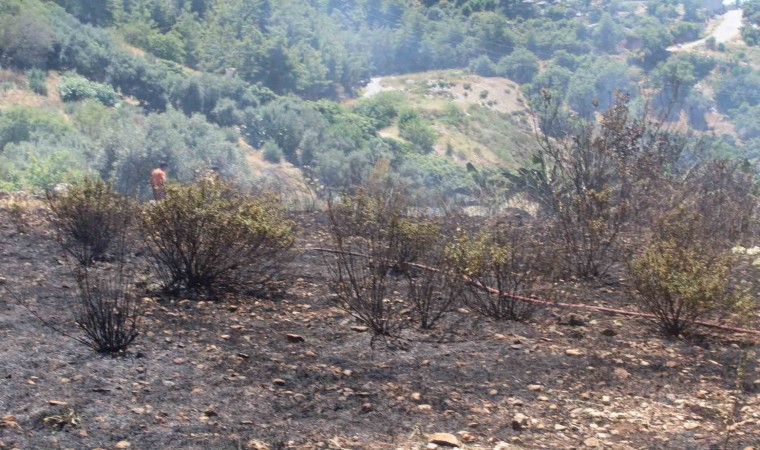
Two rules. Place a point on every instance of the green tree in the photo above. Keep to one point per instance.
(521, 66)
(26, 40)
(607, 34)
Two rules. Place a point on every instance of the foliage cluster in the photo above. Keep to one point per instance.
(91, 219)
(201, 236)
(73, 88)
(678, 279)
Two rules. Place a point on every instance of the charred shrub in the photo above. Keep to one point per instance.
(367, 250)
(202, 236)
(107, 309)
(505, 258)
(435, 290)
(593, 179)
(680, 278)
(376, 250)
(91, 219)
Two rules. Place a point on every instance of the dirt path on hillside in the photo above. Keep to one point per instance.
(728, 28)
(373, 88)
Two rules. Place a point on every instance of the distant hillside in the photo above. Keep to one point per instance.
(112, 88)
(477, 120)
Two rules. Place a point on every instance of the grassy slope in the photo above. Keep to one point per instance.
(490, 131)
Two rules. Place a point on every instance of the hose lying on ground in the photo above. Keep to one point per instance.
(513, 296)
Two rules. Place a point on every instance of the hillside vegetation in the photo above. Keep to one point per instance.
(269, 74)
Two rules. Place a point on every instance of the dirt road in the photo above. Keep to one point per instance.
(728, 28)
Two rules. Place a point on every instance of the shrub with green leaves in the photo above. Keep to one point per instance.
(272, 152)
(417, 130)
(505, 258)
(678, 279)
(91, 219)
(74, 87)
(381, 108)
(36, 80)
(202, 236)
(19, 124)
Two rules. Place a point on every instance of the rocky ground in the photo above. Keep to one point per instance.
(293, 371)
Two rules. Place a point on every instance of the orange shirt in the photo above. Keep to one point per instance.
(157, 177)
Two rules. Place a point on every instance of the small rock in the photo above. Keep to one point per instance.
(702, 394)
(691, 425)
(367, 407)
(123, 444)
(591, 442)
(621, 373)
(425, 407)
(574, 352)
(576, 321)
(416, 396)
(295, 338)
(56, 403)
(466, 436)
(558, 427)
(256, 445)
(360, 329)
(506, 446)
(535, 387)
(519, 421)
(278, 381)
(444, 439)
(671, 364)
(609, 332)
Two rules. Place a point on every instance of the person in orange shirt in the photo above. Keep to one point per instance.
(158, 182)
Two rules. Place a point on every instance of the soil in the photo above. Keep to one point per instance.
(223, 374)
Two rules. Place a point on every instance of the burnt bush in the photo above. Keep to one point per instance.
(107, 309)
(202, 236)
(91, 219)
(368, 251)
(386, 262)
(434, 291)
(506, 258)
(595, 179)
